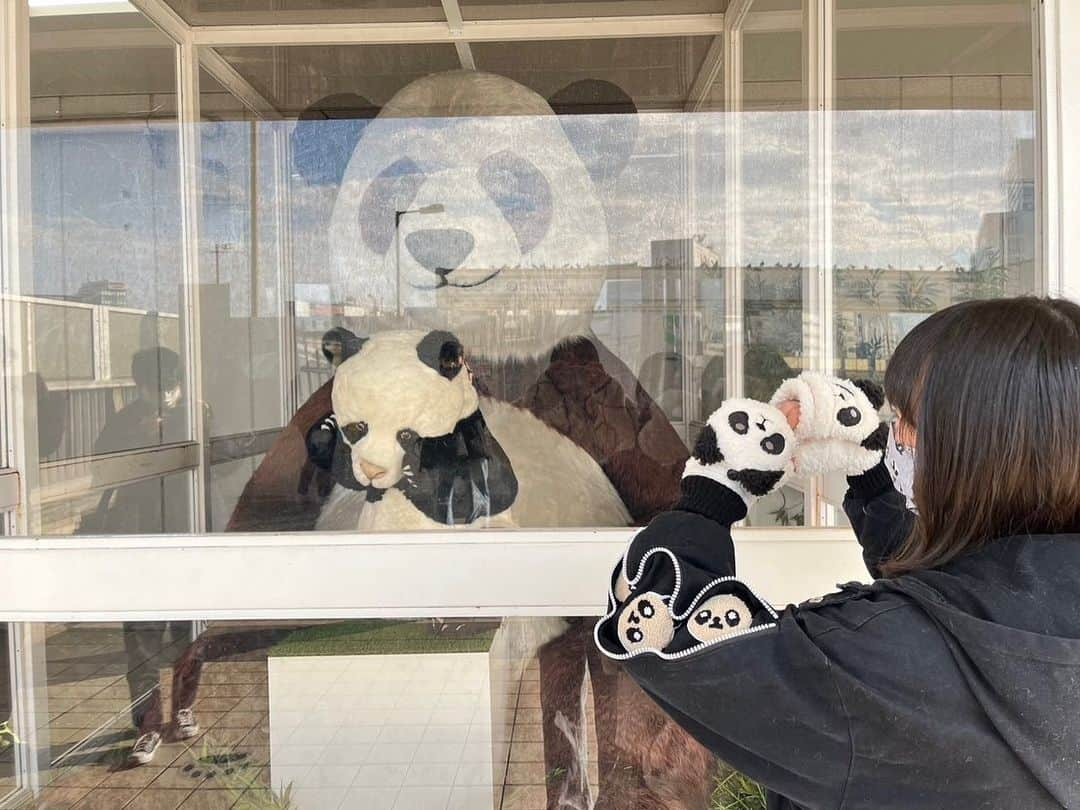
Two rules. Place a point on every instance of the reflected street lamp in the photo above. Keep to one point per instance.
(434, 208)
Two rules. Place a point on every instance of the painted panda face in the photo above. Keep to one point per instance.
(399, 388)
(466, 206)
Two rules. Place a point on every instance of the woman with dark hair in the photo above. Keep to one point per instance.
(952, 680)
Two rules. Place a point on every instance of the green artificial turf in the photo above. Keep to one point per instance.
(733, 791)
(388, 637)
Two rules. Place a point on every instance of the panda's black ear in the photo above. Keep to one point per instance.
(443, 352)
(874, 392)
(339, 344)
(600, 120)
(326, 135)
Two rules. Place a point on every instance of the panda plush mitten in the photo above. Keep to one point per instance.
(672, 583)
(839, 429)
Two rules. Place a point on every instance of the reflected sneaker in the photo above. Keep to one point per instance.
(144, 749)
(185, 724)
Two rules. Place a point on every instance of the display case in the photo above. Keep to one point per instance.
(224, 221)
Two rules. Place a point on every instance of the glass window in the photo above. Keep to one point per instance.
(933, 170)
(550, 210)
(611, 244)
(490, 714)
(776, 257)
(103, 309)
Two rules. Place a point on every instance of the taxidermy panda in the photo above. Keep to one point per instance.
(412, 445)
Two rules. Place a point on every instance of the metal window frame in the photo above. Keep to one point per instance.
(240, 575)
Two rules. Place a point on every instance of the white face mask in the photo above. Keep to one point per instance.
(900, 462)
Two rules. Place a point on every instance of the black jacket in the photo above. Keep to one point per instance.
(957, 687)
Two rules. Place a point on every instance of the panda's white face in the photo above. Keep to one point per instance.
(385, 397)
(454, 218)
(856, 417)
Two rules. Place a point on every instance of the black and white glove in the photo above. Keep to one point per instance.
(674, 581)
(745, 446)
(838, 427)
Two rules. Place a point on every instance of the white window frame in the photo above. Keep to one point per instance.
(452, 572)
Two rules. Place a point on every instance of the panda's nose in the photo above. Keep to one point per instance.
(440, 250)
(372, 471)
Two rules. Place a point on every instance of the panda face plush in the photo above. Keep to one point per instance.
(839, 427)
(398, 389)
(497, 206)
(745, 445)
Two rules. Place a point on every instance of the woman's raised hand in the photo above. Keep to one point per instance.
(835, 421)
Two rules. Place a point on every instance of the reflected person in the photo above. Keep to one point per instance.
(157, 415)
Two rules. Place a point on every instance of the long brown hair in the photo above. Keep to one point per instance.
(992, 389)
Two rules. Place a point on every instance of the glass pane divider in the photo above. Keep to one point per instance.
(18, 409)
(733, 277)
(187, 81)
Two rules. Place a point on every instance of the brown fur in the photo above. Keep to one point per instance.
(645, 761)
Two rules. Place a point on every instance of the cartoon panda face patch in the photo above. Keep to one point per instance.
(645, 623)
(718, 617)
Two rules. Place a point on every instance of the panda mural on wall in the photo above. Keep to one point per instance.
(467, 207)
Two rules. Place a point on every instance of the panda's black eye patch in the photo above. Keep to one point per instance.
(773, 445)
(521, 192)
(706, 449)
(848, 417)
(740, 422)
(392, 190)
(732, 618)
(406, 436)
(354, 431)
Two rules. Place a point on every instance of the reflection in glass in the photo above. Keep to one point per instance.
(775, 250)
(558, 212)
(102, 302)
(475, 714)
(550, 246)
(934, 173)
